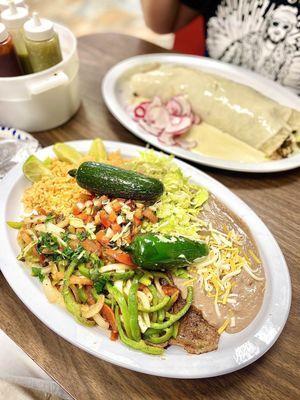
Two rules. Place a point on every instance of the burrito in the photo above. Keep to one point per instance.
(233, 108)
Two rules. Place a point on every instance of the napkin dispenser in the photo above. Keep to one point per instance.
(46, 99)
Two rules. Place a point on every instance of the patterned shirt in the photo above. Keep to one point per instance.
(261, 35)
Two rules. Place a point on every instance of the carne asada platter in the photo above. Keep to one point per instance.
(142, 260)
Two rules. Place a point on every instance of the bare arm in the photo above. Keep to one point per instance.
(166, 16)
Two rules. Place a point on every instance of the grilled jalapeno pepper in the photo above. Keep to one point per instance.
(117, 182)
(160, 252)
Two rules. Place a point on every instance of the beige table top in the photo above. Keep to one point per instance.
(274, 197)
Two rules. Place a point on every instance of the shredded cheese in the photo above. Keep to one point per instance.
(223, 327)
(225, 261)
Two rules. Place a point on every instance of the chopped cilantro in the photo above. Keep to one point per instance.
(38, 273)
(49, 218)
(67, 253)
(82, 235)
(65, 237)
(99, 285)
(47, 242)
(96, 261)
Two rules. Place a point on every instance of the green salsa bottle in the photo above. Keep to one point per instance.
(14, 18)
(42, 43)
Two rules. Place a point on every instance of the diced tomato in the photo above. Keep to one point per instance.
(150, 215)
(42, 258)
(92, 246)
(102, 238)
(120, 256)
(76, 210)
(104, 219)
(85, 217)
(116, 206)
(138, 213)
(116, 228)
(112, 216)
(108, 314)
(137, 221)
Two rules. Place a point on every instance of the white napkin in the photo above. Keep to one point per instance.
(16, 367)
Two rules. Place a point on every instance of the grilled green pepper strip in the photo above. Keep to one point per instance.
(162, 339)
(71, 305)
(146, 279)
(62, 264)
(153, 291)
(172, 300)
(82, 295)
(157, 307)
(84, 270)
(141, 345)
(95, 294)
(175, 317)
(161, 315)
(175, 329)
(154, 251)
(162, 275)
(133, 310)
(118, 275)
(120, 299)
(152, 332)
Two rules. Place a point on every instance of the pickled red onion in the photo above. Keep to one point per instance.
(168, 121)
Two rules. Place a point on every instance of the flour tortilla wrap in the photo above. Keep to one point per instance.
(229, 106)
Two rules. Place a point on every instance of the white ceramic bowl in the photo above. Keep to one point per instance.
(45, 99)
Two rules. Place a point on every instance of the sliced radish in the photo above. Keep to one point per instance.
(186, 144)
(166, 121)
(157, 116)
(174, 107)
(184, 124)
(150, 128)
(185, 105)
(166, 139)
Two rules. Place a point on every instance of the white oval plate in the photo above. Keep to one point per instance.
(234, 352)
(111, 95)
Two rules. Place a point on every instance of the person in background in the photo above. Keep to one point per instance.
(261, 35)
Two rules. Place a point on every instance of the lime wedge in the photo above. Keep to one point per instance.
(64, 152)
(15, 224)
(97, 150)
(34, 169)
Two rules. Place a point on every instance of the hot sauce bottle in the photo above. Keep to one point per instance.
(14, 19)
(42, 43)
(9, 65)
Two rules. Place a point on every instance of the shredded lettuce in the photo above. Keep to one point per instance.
(179, 207)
